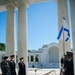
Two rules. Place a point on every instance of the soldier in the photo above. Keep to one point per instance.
(62, 66)
(65, 64)
(22, 67)
(12, 65)
(5, 66)
(69, 67)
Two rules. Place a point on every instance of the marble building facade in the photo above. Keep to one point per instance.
(45, 57)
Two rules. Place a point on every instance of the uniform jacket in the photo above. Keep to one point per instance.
(70, 69)
(12, 67)
(5, 68)
(22, 69)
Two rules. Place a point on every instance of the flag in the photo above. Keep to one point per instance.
(64, 31)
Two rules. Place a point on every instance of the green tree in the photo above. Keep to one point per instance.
(2, 46)
(29, 50)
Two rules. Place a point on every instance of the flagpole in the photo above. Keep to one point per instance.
(63, 36)
(63, 42)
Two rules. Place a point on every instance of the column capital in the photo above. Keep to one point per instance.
(23, 3)
(10, 5)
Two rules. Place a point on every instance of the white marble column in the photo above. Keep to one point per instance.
(10, 31)
(39, 58)
(29, 58)
(62, 7)
(72, 5)
(34, 58)
(22, 34)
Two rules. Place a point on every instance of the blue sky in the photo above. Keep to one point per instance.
(42, 24)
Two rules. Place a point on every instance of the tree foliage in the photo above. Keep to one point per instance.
(29, 50)
(2, 47)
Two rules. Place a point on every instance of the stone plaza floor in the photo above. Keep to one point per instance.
(44, 71)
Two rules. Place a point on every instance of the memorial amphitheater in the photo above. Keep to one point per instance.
(45, 57)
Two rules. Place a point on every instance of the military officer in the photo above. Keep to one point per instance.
(12, 65)
(22, 67)
(69, 67)
(66, 64)
(5, 66)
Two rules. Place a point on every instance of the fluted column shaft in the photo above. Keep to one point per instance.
(10, 31)
(22, 34)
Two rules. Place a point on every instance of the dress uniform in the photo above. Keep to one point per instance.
(66, 64)
(22, 67)
(5, 66)
(70, 69)
(12, 65)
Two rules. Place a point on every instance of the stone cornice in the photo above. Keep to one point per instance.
(4, 3)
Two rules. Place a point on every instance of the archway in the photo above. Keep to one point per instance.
(53, 55)
(32, 59)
